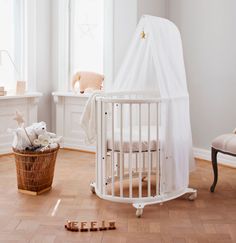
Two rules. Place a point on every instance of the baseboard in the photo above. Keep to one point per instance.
(5, 148)
(222, 158)
(74, 146)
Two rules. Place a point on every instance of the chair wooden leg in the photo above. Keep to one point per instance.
(215, 168)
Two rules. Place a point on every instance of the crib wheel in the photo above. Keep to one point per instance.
(192, 196)
(92, 188)
(139, 212)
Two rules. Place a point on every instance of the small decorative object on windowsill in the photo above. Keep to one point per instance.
(2, 91)
(20, 87)
(35, 152)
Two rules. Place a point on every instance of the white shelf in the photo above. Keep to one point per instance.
(26, 95)
(71, 94)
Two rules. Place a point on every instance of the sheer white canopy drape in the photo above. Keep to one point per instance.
(154, 62)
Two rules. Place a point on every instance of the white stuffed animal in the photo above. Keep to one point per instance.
(40, 130)
(20, 140)
(46, 140)
(25, 137)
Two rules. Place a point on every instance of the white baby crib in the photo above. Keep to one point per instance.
(130, 151)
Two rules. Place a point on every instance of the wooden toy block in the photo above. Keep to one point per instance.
(93, 226)
(112, 225)
(103, 226)
(84, 226)
(72, 226)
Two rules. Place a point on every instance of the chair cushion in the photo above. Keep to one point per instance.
(225, 143)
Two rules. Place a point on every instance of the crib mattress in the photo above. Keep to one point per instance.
(135, 139)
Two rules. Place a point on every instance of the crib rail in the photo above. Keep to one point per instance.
(129, 101)
(128, 147)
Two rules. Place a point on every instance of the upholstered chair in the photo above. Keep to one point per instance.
(225, 144)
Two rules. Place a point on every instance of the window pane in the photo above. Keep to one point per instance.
(7, 72)
(86, 39)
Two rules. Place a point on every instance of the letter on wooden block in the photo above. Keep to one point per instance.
(72, 226)
(83, 226)
(112, 225)
(103, 227)
(94, 226)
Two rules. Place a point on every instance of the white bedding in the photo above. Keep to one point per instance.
(135, 139)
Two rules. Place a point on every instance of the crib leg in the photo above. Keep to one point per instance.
(191, 194)
(139, 209)
(92, 187)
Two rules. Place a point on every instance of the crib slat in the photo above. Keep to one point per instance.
(158, 172)
(99, 146)
(149, 154)
(112, 151)
(104, 153)
(140, 153)
(121, 150)
(130, 152)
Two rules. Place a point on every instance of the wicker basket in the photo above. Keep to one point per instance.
(35, 170)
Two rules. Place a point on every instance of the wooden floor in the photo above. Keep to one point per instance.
(24, 218)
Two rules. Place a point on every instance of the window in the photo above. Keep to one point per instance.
(12, 43)
(84, 39)
(86, 35)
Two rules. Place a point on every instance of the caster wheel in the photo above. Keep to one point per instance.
(193, 196)
(139, 212)
(92, 188)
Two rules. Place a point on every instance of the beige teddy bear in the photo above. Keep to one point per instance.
(88, 81)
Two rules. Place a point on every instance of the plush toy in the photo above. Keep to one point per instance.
(46, 140)
(20, 140)
(34, 137)
(87, 82)
(24, 137)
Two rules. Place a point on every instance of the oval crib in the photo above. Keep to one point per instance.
(130, 151)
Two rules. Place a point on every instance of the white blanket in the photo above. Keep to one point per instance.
(88, 119)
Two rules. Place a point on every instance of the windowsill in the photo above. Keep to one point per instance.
(71, 94)
(26, 95)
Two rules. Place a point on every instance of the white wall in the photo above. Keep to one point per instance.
(209, 36)
(125, 21)
(43, 62)
(152, 7)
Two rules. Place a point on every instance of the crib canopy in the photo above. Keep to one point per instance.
(154, 62)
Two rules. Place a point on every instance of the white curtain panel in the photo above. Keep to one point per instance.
(155, 63)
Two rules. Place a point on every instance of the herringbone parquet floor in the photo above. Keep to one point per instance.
(23, 218)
